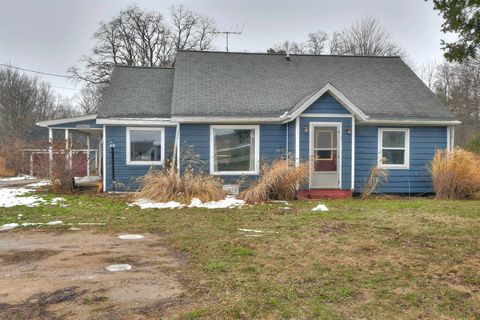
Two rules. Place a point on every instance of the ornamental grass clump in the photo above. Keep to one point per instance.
(456, 174)
(278, 181)
(376, 177)
(168, 185)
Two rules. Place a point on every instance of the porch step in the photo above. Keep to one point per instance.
(324, 194)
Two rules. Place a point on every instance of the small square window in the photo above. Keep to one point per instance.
(393, 148)
(145, 146)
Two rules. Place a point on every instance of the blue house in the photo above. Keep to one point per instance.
(231, 111)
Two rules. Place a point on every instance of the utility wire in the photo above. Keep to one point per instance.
(39, 72)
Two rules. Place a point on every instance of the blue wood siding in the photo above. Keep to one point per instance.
(126, 175)
(326, 104)
(423, 143)
(291, 138)
(79, 124)
(195, 143)
(346, 145)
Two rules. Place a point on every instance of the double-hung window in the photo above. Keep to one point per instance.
(145, 146)
(234, 149)
(393, 148)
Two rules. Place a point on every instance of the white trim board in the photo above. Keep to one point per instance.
(257, 150)
(138, 121)
(229, 120)
(410, 122)
(352, 169)
(130, 162)
(104, 155)
(66, 120)
(406, 164)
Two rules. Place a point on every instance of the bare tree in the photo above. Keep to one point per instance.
(140, 38)
(427, 73)
(365, 38)
(89, 98)
(290, 47)
(25, 100)
(317, 42)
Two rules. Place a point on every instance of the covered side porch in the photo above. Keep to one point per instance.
(83, 139)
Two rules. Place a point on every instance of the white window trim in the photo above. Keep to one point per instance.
(143, 163)
(406, 160)
(257, 150)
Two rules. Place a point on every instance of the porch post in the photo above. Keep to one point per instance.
(67, 144)
(88, 155)
(31, 164)
(50, 150)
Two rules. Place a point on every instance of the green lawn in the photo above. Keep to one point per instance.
(407, 259)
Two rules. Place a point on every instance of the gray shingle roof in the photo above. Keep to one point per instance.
(209, 84)
(142, 92)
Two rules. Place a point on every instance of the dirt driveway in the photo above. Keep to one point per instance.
(62, 275)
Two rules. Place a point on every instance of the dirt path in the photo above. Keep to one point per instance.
(48, 275)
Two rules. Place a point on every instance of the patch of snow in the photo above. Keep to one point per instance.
(130, 236)
(118, 267)
(74, 229)
(285, 208)
(228, 202)
(148, 204)
(251, 230)
(56, 200)
(91, 223)
(8, 226)
(19, 178)
(320, 207)
(42, 183)
(51, 223)
(11, 197)
(257, 232)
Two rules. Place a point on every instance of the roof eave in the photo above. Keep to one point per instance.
(48, 123)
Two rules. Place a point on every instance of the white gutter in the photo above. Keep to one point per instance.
(413, 122)
(214, 120)
(137, 121)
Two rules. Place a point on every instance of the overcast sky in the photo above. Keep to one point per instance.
(51, 35)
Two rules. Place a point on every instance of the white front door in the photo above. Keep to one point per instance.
(325, 155)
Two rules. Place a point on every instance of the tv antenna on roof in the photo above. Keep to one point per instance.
(227, 33)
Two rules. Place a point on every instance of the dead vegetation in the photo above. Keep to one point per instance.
(278, 181)
(376, 177)
(455, 175)
(168, 185)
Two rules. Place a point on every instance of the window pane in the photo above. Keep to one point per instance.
(234, 150)
(393, 139)
(325, 137)
(393, 156)
(324, 154)
(145, 145)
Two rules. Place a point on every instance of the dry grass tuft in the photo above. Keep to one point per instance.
(278, 181)
(455, 175)
(167, 185)
(376, 177)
